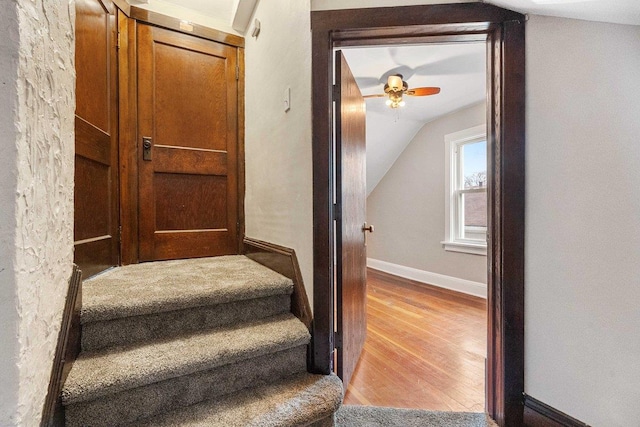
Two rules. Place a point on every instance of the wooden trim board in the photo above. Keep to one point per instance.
(160, 20)
(175, 24)
(538, 414)
(241, 147)
(128, 147)
(284, 261)
(67, 349)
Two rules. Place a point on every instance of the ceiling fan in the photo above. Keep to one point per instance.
(395, 88)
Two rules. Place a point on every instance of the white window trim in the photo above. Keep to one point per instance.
(452, 140)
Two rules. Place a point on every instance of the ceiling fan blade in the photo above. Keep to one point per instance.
(407, 73)
(423, 91)
(367, 82)
(455, 65)
(378, 95)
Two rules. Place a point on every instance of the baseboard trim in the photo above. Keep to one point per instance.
(538, 414)
(67, 349)
(440, 280)
(284, 261)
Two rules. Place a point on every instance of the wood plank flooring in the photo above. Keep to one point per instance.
(425, 348)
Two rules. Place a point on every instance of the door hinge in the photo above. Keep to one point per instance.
(118, 40)
(119, 233)
(336, 211)
(237, 72)
(337, 340)
(335, 92)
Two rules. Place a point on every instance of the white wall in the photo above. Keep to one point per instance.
(583, 236)
(407, 207)
(582, 279)
(36, 220)
(278, 144)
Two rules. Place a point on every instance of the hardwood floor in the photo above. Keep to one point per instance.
(425, 348)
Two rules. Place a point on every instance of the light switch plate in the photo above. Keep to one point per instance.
(287, 99)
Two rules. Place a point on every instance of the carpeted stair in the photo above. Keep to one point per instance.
(374, 416)
(203, 342)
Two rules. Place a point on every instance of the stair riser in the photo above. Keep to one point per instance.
(130, 330)
(292, 402)
(143, 402)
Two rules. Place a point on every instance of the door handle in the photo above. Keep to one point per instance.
(146, 148)
(366, 228)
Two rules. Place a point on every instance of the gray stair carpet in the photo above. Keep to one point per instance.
(165, 339)
(298, 401)
(373, 416)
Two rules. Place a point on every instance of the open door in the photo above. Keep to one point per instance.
(351, 193)
(96, 237)
(188, 146)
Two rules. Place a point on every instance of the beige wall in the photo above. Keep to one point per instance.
(407, 207)
(278, 143)
(582, 278)
(36, 216)
(582, 207)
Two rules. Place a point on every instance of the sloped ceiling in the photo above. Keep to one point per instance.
(614, 11)
(458, 69)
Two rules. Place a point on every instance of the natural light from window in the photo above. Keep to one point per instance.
(466, 181)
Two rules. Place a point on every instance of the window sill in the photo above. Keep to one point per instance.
(465, 247)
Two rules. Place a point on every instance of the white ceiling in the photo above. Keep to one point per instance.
(458, 69)
(220, 9)
(614, 11)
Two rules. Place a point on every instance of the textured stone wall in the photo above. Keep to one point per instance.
(8, 177)
(40, 163)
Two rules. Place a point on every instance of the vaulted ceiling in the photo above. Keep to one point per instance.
(458, 69)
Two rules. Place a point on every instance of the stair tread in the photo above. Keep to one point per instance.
(162, 286)
(96, 374)
(295, 401)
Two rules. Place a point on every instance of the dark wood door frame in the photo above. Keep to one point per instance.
(129, 147)
(503, 30)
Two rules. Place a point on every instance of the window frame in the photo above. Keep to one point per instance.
(453, 194)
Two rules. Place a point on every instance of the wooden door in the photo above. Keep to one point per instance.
(351, 191)
(187, 116)
(96, 172)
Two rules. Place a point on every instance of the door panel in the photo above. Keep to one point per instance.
(351, 286)
(96, 179)
(187, 105)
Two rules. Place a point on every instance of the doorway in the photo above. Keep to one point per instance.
(425, 345)
(159, 140)
(503, 32)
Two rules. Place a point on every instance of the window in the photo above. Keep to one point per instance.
(466, 192)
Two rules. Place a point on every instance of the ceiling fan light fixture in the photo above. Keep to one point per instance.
(395, 83)
(396, 88)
